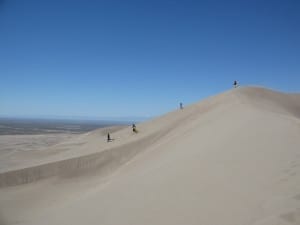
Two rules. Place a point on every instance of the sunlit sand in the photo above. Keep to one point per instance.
(230, 159)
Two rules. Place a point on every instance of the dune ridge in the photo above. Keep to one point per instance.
(230, 159)
(110, 156)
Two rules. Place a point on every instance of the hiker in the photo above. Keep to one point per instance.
(235, 84)
(134, 128)
(181, 105)
(108, 137)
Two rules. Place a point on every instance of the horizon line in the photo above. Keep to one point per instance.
(87, 118)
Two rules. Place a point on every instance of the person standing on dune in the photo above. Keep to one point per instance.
(181, 105)
(134, 128)
(235, 84)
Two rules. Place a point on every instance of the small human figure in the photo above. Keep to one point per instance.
(235, 84)
(108, 137)
(181, 105)
(134, 128)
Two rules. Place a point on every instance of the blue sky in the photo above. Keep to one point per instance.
(105, 59)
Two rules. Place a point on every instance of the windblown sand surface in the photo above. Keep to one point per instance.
(20, 151)
(230, 159)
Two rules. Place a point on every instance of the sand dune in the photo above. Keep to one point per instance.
(231, 159)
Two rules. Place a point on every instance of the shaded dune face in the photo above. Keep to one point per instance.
(101, 158)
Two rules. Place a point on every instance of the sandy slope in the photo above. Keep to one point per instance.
(230, 159)
(21, 151)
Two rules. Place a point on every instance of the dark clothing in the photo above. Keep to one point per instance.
(235, 83)
(134, 128)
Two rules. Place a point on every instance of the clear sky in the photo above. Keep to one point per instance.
(140, 58)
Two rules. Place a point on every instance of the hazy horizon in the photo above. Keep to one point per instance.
(77, 118)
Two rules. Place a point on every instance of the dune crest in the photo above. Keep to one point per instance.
(73, 160)
(230, 159)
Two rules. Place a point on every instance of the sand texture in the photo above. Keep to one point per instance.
(231, 159)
